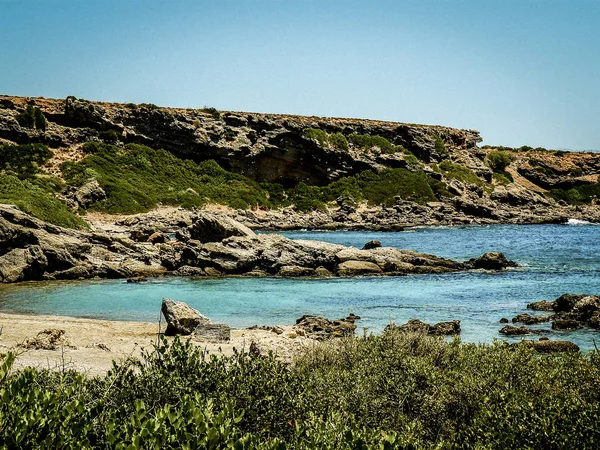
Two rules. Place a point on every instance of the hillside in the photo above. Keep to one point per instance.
(323, 172)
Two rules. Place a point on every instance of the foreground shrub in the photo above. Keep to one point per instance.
(390, 391)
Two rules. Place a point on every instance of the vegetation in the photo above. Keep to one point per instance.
(577, 195)
(336, 141)
(23, 160)
(32, 117)
(35, 196)
(214, 112)
(137, 178)
(396, 390)
(499, 160)
(460, 173)
(109, 136)
(440, 147)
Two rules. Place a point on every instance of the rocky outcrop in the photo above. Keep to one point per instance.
(528, 319)
(90, 192)
(212, 332)
(181, 318)
(492, 261)
(554, 346)
(418, 326)
(321, 328)
(34, 250)
(510, 330)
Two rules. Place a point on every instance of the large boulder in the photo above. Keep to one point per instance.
(352, 268)
(320, 328)
(492, 261)
(210, 228)
(90, 192)
(551, 346)
(181, 318)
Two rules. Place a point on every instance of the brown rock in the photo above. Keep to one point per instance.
(353, 268)
(528, 319)
(295, 271)
(510, 330)
(212, 332)
(181, 318)
(492, 261)
(565, 324)
(542, 305)
(547, 346)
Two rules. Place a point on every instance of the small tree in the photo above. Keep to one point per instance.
(498, 160)
(39, 119)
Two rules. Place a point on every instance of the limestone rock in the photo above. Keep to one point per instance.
(212, 332)
(181, 318)
(492, 261)
(210, 228)
(352, 268)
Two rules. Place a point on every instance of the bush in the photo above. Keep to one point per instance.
(368, 141)
(34, 196)
(23, 160)
(397, 390)
(460, 173)
(32, 117)
(440, 147)
(499, 160)
(137, 178)
(212, 111)
(338, 141)
(109, 136)
(318, 135)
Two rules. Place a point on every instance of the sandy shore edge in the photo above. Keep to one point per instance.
(91, 344)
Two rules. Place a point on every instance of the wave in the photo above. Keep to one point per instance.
(578, 222)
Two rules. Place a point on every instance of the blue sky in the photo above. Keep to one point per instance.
(519, 71)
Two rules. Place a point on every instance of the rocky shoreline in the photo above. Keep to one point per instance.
(197, 244)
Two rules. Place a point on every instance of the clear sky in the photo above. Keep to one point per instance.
(519, 71)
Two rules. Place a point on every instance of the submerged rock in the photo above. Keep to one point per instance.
(181, 318)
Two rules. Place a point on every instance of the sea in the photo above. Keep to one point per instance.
(553, 260)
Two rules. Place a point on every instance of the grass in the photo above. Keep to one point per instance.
(397, 390)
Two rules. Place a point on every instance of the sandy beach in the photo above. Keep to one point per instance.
(90, 345)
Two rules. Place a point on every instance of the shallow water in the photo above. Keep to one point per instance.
(555, 259)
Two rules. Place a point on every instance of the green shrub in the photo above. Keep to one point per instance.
(109, 136)
(338, 141)
(368, 141)
(318, 135)
(396, 390)
(440, 147)
(503, 177)
(460, 173)
(131, 105)
(23, 160)
(137, 178)
(150, 106)
(212, 111)
(577, 195)
(32, 117)
(34, 196)
(499, 160)
(39, 119)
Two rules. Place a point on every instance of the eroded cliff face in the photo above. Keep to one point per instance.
(264, 147)
(275, 148)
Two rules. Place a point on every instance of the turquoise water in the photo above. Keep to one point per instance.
(555, 258)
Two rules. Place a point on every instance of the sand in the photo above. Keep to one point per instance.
(90, 345)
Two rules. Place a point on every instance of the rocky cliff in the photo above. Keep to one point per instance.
(277, 149)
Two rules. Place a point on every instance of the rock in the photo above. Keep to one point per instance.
(542, 305)
(418, 326)
(137, 279)
(181, 318)
(23, 264)
(158, 238)
(353, 268)
(528, 319)
(547, 346)
(50, 339)
(492, 261)
(445, 328)
(212, 332)
(567, 302)
(510, 330)
(320, 328)
(212, 272)
(189, 271)
(295, 271)
(371, 245)
(277, 330)
(565, 324)
(322, 272)
(210, 228)
(90, 192)
(504, 320)
(254, 349)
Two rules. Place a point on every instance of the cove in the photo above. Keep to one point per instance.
(555, 259)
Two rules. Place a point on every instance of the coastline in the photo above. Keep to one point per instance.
(90, 345)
